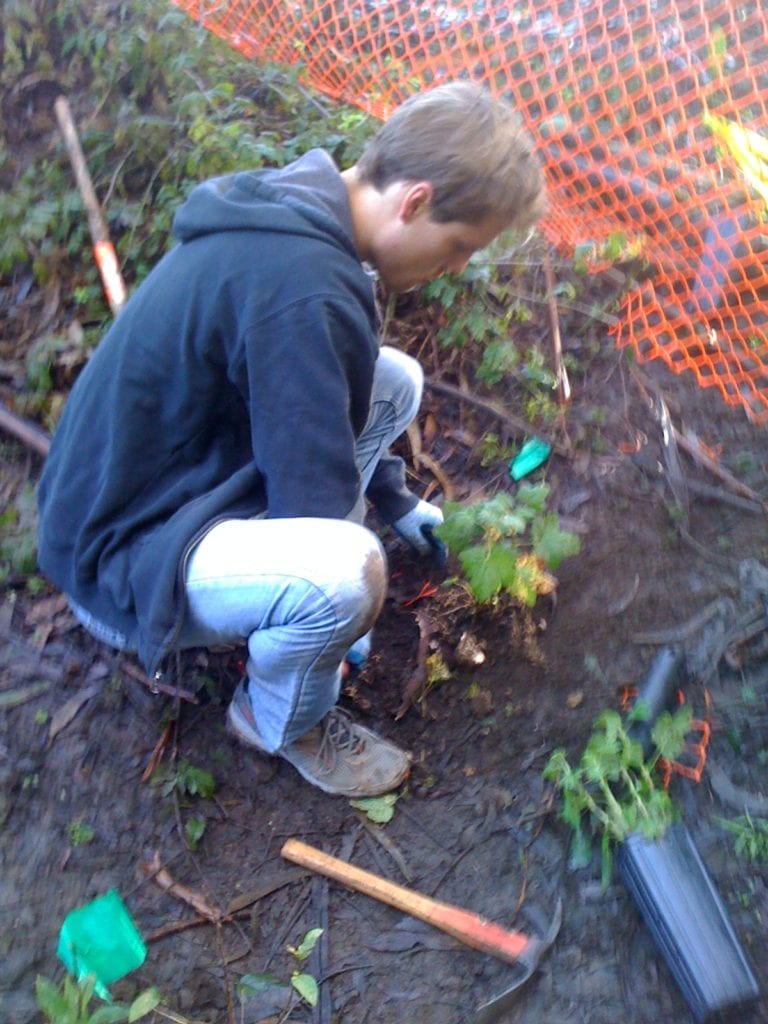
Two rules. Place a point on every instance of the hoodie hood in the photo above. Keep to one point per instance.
(310, 190)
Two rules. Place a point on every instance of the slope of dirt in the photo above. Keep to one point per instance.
(475, 825)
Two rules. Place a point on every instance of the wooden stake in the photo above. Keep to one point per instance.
(563, 384)
(103, 250)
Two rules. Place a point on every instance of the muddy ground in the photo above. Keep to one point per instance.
(475, 825)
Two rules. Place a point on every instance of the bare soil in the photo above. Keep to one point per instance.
(475, 826)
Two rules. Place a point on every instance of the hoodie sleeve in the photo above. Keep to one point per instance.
(388, 491)
(306, 377)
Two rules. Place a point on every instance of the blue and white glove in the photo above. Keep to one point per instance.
(417, 528)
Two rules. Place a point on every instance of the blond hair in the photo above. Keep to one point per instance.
(472, 148)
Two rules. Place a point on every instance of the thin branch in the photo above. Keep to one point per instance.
(25, 431)
(516, 425)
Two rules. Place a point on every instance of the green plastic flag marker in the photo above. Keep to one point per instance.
(530, 457)
(101, 939)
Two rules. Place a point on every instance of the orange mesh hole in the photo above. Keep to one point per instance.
(622, 95)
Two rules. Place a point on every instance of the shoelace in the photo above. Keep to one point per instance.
(339, 736)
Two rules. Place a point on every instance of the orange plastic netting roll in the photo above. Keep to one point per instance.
(652, 121)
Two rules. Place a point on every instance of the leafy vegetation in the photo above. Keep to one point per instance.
(79, 832)
(305, 985)
(162, 104)
(508, 543)
(477, 312)
(750, 837)
(186, 778)
(612, 791)
(170, 105)
(70, 1003)
(18, 527)
(378, 809)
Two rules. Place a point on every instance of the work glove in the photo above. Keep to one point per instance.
(417, 529)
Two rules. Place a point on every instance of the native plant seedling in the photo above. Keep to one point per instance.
(303, 984)
(79, 832)
(613, 791)
(750, 837)
(507, 544)
(187, 779)
(70, 1003)
(378, 809)
(194, 830)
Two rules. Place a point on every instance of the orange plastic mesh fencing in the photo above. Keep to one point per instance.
(652, 120)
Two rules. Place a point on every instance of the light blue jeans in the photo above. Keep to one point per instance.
(299, 591)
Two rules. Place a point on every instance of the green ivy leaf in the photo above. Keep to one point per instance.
(489, 570)
(197, 781)
(551, 543)
(379, 809)
(306, 986)
(459, 528)
(251, 985)
(669, 731)
(143, 1004)
(307, 944)
(194, 830)
(115, 1014)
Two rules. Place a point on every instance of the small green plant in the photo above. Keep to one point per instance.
(492, 450)
(70, 1003)
(508, 544)
(750, 837)
(186, 779)
(378, 809)
(79, 832)
(478, 311)
(18, 529)
(302, 983)
(613, 791)
(194, 830)
(182, 780)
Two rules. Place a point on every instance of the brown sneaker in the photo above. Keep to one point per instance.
(338, 756)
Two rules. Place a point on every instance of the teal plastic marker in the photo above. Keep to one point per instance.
(530, 457)
(102, 939)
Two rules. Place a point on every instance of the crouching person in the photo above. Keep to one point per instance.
(208, 479)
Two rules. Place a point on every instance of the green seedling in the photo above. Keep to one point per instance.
(18, 528)
(492, 450)
(186, 779)
(302, 982)
(305, 985)
(378, 809)
(750, 837)
(70, 1003)
(79, 832)
(194, 830)
(614, 791)
(508, 544)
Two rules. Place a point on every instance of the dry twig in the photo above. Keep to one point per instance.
(417, 680)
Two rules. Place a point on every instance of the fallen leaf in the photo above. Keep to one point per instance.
(430, 429)
(67, 711)
(12, 698)
(46, 609)
(574, 699)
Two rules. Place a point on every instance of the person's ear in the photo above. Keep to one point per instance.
(416, 201)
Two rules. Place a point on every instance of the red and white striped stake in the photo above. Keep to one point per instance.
(103, 250)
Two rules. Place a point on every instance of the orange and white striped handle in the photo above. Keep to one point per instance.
(470, 928)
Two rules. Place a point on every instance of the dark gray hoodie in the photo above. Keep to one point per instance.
(234, 382)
